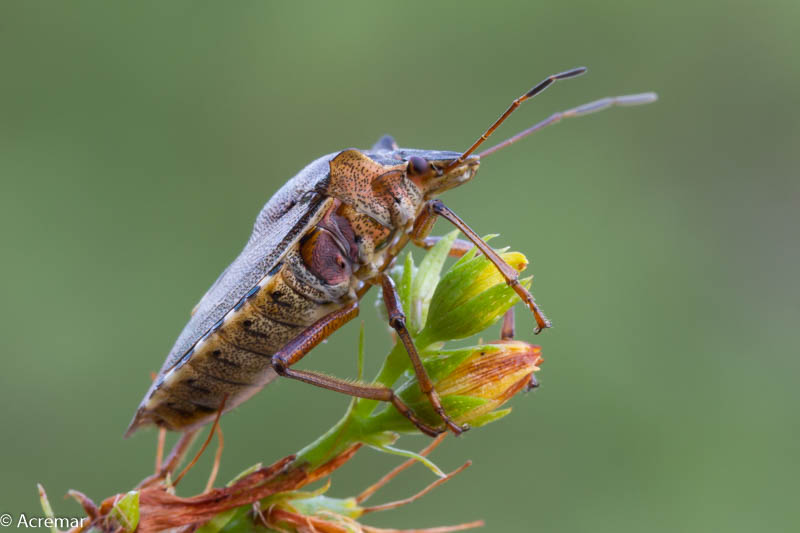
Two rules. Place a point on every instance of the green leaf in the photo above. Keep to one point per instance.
(126, 511)
(48, 511)
(469, 256)
(411, 455)
(426, 279)
(458, 406)
(474, 250)
(220, 522)
(238, 520)
(360, 373)
(404, 286)
(320, 504)
(488, 418)
(244, 473)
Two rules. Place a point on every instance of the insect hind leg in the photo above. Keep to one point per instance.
(360, 390)
(297, 348)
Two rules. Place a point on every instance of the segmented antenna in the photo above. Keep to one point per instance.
(585, 109)
(541, 86)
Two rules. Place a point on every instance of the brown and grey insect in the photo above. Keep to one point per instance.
(317, 246)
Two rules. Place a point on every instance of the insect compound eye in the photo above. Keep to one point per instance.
(418, 165)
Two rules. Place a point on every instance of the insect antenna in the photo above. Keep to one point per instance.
(585, 109)
(541, 86)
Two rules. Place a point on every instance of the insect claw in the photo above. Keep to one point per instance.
(542, 322)
(455, 428)
(541, 327)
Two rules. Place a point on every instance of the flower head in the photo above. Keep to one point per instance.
(473, 383)
(494, 374)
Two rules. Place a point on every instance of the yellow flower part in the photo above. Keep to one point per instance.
(494, 373)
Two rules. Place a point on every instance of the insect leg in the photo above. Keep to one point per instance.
(297, 348)
(459, 248)
(397, 320)
(507, 334)
(307, 340)
(420, 235)
(507, 331)
(360, 390)
(437, 208)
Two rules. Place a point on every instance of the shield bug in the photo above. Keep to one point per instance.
(317, 246)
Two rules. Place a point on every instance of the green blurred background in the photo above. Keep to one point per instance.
(138, 142)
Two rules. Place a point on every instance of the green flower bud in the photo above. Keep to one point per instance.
(470, 297)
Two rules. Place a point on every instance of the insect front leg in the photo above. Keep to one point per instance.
(297, 348)
(437, 208)
(397, 320)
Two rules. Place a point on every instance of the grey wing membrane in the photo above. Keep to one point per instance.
(263, 251)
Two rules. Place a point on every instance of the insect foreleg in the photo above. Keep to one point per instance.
(437, 208)
(397, 320)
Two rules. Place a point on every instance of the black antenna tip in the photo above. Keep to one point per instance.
(570, 73)
(544, 84)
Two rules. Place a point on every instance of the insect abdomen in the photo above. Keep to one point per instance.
(233, 360)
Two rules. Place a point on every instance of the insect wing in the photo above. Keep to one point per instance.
(263, 251)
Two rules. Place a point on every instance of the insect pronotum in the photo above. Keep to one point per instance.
(317, 246)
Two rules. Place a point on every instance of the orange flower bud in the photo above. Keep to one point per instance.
(494, 373)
